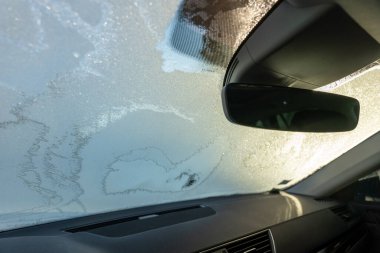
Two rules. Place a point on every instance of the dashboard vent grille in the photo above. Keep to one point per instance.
(343, 212)
(257, 243)
(124, 226)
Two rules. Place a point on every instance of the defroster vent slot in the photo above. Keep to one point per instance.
(137, 224)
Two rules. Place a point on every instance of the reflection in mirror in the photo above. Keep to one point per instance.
(289, 109)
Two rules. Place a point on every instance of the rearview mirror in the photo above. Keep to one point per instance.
(289, 109)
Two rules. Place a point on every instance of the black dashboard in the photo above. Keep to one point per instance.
(277, 222)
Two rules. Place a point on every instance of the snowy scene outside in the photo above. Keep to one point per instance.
(113, 104)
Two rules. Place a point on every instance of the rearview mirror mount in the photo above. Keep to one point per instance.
(289, 109)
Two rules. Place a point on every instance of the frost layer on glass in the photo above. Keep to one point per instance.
(102, 111)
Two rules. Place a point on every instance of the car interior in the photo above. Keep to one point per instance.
(299, 44)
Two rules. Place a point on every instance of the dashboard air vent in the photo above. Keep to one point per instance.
(136, 224)
(343, 212)
(261, 242)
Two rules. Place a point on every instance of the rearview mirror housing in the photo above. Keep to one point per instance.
(289, 109)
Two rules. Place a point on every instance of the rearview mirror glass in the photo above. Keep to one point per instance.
(289, 109)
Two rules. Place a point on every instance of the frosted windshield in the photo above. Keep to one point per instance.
(109, 105)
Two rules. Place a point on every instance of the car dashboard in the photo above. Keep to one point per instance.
(274, 222)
